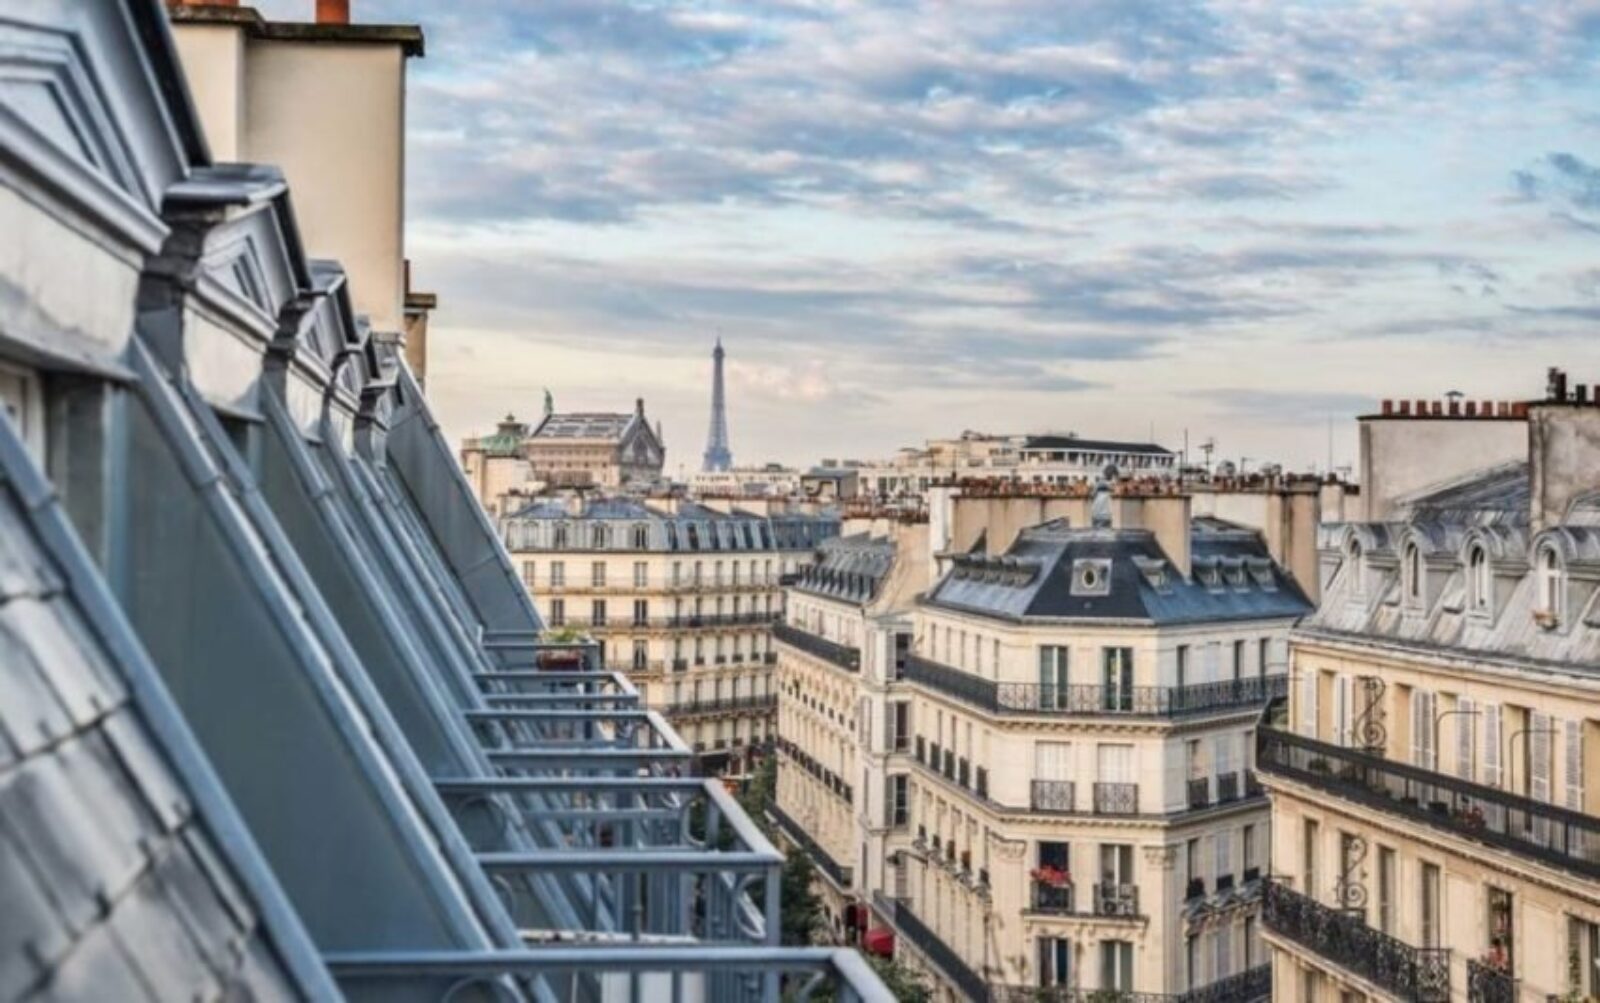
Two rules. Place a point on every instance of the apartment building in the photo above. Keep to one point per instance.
(679, 596)
(1434, 801)
(1084, 814)
(841, 651)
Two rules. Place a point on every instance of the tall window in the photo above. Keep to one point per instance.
(641, 654)
(1411, 573)
(600, 535)
(1386, 888)
(641, 536)
(597, 610)
(1309, 837)
(597, 574)
(1052, 676)
(558, 612)
(1550, 583)
(1263, 655)
(641, 574)
(528, 576)
(1479, 582)
(1238, 660)
(641, 612)
(1118, 679)
(558, 574)
(1116, 964)
(1429, 911)
(1055, 961)
(899, 800)
(559, 534)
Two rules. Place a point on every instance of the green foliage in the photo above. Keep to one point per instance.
(906, 985)
(802, 910)
(565, 635)
(760, 790)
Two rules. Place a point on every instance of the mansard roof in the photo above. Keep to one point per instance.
(691, 528)
(1056, 572)
(1093, 445)
(852, 568)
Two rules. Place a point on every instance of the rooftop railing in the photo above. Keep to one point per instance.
(843, 656)
(1417, 974)
(1542, 832)
(1093, 699)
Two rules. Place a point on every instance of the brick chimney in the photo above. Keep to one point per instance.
(333, 11)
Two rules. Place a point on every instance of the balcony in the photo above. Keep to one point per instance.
(1119, 901)
(1227, 787)
(1488, 984)
(1417, 974)
(1116, 799)
(724, 705)
(1541, 832)
(1053, 795)
(900, 916)
(1246, 987)
(840, 874)
(1093, 700)
(1199, 792)
(844, 657)
(1055, 900)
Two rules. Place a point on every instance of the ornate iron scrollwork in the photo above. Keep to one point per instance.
(1369, 727)
(1351, 887)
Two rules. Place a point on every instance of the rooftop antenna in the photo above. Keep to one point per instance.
(1208, 447)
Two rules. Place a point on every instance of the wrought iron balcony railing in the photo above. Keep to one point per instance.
(1417, 974)
(1542, 832)
(828, 778)
(1199, 792)
(1116, 799)
(1488, 984)
(1227, 787)
(1053, 795)
(900, 915)
(1094, 700)
(624, 621)
(843, 656)
(1116, 900)
(841, 875)
(723, 705)
(1251, 986)
(1055, 900)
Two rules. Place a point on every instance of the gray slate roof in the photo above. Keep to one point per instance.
(851, 568)
(1057, 572)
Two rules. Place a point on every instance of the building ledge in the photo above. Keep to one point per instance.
(408, 37)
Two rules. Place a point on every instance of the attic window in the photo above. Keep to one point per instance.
(1552, 587)
(1411, 574)
(1091, 577)
(560, 542)
(1480, 583)
(641, 536)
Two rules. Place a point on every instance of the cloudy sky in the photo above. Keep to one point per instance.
(1237, 218)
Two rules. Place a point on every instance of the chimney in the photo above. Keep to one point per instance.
(333, 11)
(1556, 387)
(1388, 407)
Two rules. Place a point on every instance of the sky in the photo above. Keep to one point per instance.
(1238, 220)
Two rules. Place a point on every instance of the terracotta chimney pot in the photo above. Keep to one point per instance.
(333, 11)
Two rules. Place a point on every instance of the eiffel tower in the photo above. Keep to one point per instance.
(718, 456)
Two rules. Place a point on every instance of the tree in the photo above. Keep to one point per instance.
(802, 910)
(906, 985)
(759, 790)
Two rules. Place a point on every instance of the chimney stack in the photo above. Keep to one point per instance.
(333, 11)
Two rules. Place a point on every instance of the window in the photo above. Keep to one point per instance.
(641, 654)
(1492, 740)
(641, 574)
(560, 536)
(597, 612)
(641, 612)
(1411, 574)
(1052, 677)
(1055, 961)
(1429, 909)
(1222, 843)
(1479, 581)
(1191, 961)
(1423, 753)
(1573, 773)
(641, 536)
(23, 400)
(899, 800)
(529, 578)
(558, 574)
(1118, 679)
(600, 535)
(1247, 849)
(1238, 660)
(1263, 655)
(1222, 945)
(1116, 964)
(1386, 886)
(558, 612)
(1551, 585)
(1308, 857)
(1583, 958)
(1355, 566)
(597, 574)
(899, 726)
(1181, 673)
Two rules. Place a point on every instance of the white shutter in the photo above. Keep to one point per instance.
(1574, 764)
(1422, 718)
(1341, 710)
(1115, 764)
(1492, 743)
(1466, 739)
(1223, 844)
(1308, 703)
(1540, 734)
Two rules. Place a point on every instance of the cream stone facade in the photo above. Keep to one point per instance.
(680, 597)
(1434, 802)
(1038, 775)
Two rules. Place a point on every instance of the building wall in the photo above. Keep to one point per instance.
(214, 61)
(1400, 456)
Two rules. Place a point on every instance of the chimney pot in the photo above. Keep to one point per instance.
(1438, 408)
(1580, 393)
(1455, 408)
(1405, 407)
(1388, 407)
(1472, 409)
(333, 11)
(1519, 409)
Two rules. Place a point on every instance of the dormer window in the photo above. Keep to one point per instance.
(1552, 586)
(560, 536)
(641, 536)
(1091, 577)
(1480, 584)
(600, 535)
(1353, 558)
(1411, 574)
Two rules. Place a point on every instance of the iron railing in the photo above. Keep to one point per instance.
(1417, 974)
(1250, 986)
(1227, 787)
(1092, 699)
(840, 874)
(1543, 832)
(1488, 984)
(843, 656)
(721, 705)
(828, 778)
(1199, 792)
(1116, 799)
(1053, 795)
(1116, 900)
(900, 915)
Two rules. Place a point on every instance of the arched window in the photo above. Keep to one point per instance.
(1552, 583)
(1353, 560)
(1479, 582)
(1411, 573)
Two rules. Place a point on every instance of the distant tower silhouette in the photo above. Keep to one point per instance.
(718, 456)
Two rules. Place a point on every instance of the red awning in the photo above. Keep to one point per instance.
(880, 941)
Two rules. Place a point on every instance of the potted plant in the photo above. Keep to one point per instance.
(1051, 876)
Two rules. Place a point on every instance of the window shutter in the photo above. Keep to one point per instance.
(1492, 744)
(1466, 738)
(1308, 703)
(1343, 693)
(1224, 853)
(1418, 755)
(1574, 765)
(1539, 756)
